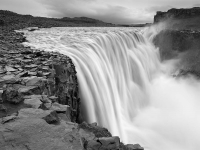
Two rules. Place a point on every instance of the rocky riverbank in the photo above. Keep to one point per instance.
(39, 100)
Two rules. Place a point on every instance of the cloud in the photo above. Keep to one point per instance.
(158, 8)
(23, 7)
(96, 9)
(196, 5)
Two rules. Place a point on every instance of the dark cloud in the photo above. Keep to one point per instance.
(93, 9)
(158, 8)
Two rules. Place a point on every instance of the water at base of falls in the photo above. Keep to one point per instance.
(125, 88)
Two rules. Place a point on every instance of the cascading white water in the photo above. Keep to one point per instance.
(125, 87)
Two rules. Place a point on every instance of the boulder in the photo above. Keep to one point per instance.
(60, 108)
(14, 93)
(33, 102)
(134, 147)
(10, 69)
(104, 143)
(97, 130)
(52, 118)
(9, 79)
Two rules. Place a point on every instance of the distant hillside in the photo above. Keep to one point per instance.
(184, 18)
(17, 21)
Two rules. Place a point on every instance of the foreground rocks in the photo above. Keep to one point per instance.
(43, 129)
(51, 76)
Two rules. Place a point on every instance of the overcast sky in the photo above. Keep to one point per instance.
(113, 11)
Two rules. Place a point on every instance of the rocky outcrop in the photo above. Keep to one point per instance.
(182, 44)
(25, 72)
(180, 38)
(177, 14)
(35, 129)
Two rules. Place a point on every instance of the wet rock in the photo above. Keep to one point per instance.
(134, 147)
(52, 118)
(97, 130)
(104, 143)
(32, 29)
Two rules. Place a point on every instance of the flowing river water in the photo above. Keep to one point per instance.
(126, 88)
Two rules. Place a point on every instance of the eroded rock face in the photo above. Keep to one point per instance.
(35, 129)
(177, 14)
(26, 72)
(183, 44)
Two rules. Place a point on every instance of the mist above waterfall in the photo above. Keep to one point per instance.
(126, 88)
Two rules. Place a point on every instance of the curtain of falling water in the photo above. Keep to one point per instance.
(114, 72)
(120, 87)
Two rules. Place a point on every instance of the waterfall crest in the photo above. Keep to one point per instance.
(124, 86)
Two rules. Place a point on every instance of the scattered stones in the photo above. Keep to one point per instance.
(10, 69)
(104, 143)
(9, 79)
(98, 131)
(33, 102)
(52, 118)
(7, 119)
(60, 108)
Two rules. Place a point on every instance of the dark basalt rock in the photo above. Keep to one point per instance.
(52, 118)
(24, 71)
(177, 14)
(97, 130)
(1, 22)
(183, 44)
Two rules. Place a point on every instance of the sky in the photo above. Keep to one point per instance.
(112, 11)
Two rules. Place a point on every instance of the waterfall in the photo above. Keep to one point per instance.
(125, 88)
